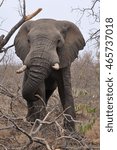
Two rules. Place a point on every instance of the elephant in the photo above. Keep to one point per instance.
(47, 47)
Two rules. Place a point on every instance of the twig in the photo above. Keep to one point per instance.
(6, 128)
(3, 146)
(44, 121)
(5, 51)
(61, 130)
(32, 139)
(24, 8)
(37, 140)
(41, 123)
(5, 91)
(23, 131)
(71, 118)
(69, 137)
(4, 30)
(95, 17)
(90, 10)
(93, 36)
(82, 144)
(1, 3)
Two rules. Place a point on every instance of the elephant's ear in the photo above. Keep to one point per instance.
(21, 41)
(74, 42)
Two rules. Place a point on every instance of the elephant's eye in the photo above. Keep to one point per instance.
(28, 40)
(60, 43)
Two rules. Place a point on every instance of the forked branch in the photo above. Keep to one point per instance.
(4, 40)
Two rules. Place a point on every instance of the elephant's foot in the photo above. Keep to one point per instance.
(36, 111)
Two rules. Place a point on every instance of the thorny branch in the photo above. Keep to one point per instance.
(4, 39)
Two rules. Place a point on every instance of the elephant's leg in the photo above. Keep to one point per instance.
(34, 94)
(50, 85)
(65, 92)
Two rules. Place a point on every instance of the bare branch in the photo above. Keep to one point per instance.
(25, 18)
(44, 121)
(23, 131)
(41, 123)
(5, 51)
(6, 128)
(33, 14)
(89, 10)
(11, 32)
(31, 139)
(93, 13)
(5, 91)
(44, 142)
(4, 30)
(1, 145)
(94, 35)
(1, 3)
(24, 8)
(69, 137)
(71, 118)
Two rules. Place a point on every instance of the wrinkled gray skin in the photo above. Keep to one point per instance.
(40, 44)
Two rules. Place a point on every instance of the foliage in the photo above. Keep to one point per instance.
(86, 111)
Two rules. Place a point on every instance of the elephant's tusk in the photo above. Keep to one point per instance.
(56, 66)
(22, 69)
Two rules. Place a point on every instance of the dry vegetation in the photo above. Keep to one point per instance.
(48, 134)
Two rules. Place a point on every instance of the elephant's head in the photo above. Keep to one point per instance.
(49, 43)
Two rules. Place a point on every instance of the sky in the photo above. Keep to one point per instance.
(55, 9)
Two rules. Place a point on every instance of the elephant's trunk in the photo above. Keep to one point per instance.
(37, 73)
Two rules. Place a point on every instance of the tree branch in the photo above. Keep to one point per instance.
(3, 146)
(5, 91)
(33, 14)
(4, 40)
(94, 35)
(92, 12)
(89, 10)
(1, 3)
